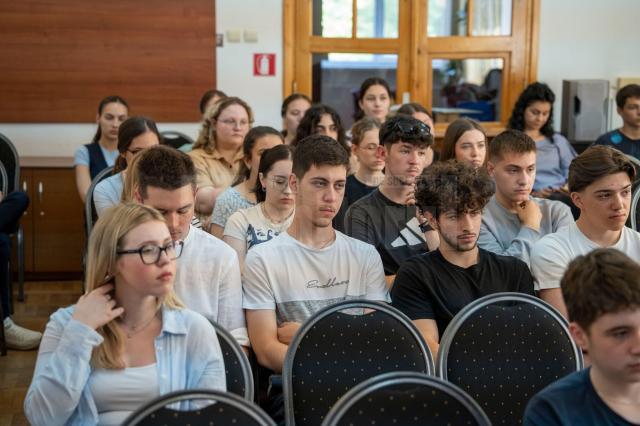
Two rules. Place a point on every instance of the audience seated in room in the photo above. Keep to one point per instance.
(240, 195)
(128, 339)
(274, 212)
(600, 186)
(513, 220)
(626, 138)
(387, 218)
(217, 153)
(431, 288)
(208, 275)
(602, 294)
(134, 135)
(102, 151)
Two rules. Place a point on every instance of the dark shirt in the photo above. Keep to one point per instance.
(619, 141)
(571, 400)
(391, 228)
(353, 191)
(429, 287)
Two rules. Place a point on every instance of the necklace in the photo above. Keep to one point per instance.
(272, 220)
(131, 331)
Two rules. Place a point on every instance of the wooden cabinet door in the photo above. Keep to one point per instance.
(57, 212)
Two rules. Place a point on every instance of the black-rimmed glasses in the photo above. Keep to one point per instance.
(151, 254)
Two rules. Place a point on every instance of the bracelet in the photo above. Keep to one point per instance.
(425, 227)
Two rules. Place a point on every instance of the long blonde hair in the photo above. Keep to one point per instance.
(106, 239)
(131, 180)
(207, 137)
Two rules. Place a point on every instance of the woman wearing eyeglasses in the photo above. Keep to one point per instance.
(240, 195)
(217, 154)
(273, 213)
(128, 339)
(134, 135)
(465, 140)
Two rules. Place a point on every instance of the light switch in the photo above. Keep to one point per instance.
(234, 36)
(250, 36)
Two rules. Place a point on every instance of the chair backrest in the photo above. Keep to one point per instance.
(341, 346)
(228, 409)
(406, 398)
(4, 180)
(236, 364)
(90, 212)
(11, 161)
(175, 139)
(633, 214)
(503, 348)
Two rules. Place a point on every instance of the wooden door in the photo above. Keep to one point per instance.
(58, 232)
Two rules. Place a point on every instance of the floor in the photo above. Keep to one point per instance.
(16, 369)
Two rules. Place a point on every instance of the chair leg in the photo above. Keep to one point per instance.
(20, 237)
(10, 287)
(3, 342)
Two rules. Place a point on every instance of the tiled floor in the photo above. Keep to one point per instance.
(16, 369)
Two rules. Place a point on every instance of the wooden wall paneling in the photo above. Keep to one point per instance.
(60, 57)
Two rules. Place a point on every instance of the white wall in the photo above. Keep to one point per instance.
(588, 39)
(578, 39)
(234, 75)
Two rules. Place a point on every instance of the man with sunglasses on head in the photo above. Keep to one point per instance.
(208, 273)
(387, 218)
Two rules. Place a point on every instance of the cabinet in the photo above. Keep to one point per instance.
(54, 222)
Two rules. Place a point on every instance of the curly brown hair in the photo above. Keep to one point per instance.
(452, 185)
(601, 282)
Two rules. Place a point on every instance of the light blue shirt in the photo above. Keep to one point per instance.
(229, 202)
(552, 162)
(188, 356)
(82, 158)
(108, 193)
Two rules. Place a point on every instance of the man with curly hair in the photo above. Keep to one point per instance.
(431, 288)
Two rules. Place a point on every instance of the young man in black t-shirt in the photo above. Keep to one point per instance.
(387, 217)
(431, 288)
(626, 138)
(602, 294)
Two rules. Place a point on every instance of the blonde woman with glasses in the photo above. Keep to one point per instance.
(217, 154)
(128, 339)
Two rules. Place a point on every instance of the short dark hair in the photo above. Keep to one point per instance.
(404, 128)
(628, 91)
(601, 282)
(510, 141)
(318, 150)
(312, 117)
(247, 146)
(454, 131)
(596, 162)
(130, 129)
(268, 159)
(413, 107)
(166, 168)
(535, 92)
(453, 186)
(208, 95)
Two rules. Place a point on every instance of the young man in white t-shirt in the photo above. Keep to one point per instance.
(208, 274)
(600, 185)
(310, 266)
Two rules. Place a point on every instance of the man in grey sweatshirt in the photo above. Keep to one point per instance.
(513, 220)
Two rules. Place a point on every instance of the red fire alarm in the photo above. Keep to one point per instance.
(264, 64)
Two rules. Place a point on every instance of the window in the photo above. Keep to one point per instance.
(456, 57)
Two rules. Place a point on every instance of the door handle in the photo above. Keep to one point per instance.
(40, 196)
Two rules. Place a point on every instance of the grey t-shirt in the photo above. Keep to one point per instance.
(502, 233)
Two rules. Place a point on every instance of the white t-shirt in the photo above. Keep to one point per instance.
(297, 281)
(208, 282)
(252, 226)
(551, 255)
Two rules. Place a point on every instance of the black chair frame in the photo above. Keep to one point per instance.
(245, 366)
(635, 200)
(169, 136)
(3, 341)
(370, 386)
(235, 401)
(89, 207)
(287, 381)
(473, 307)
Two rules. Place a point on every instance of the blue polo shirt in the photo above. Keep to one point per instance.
(619, 141)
